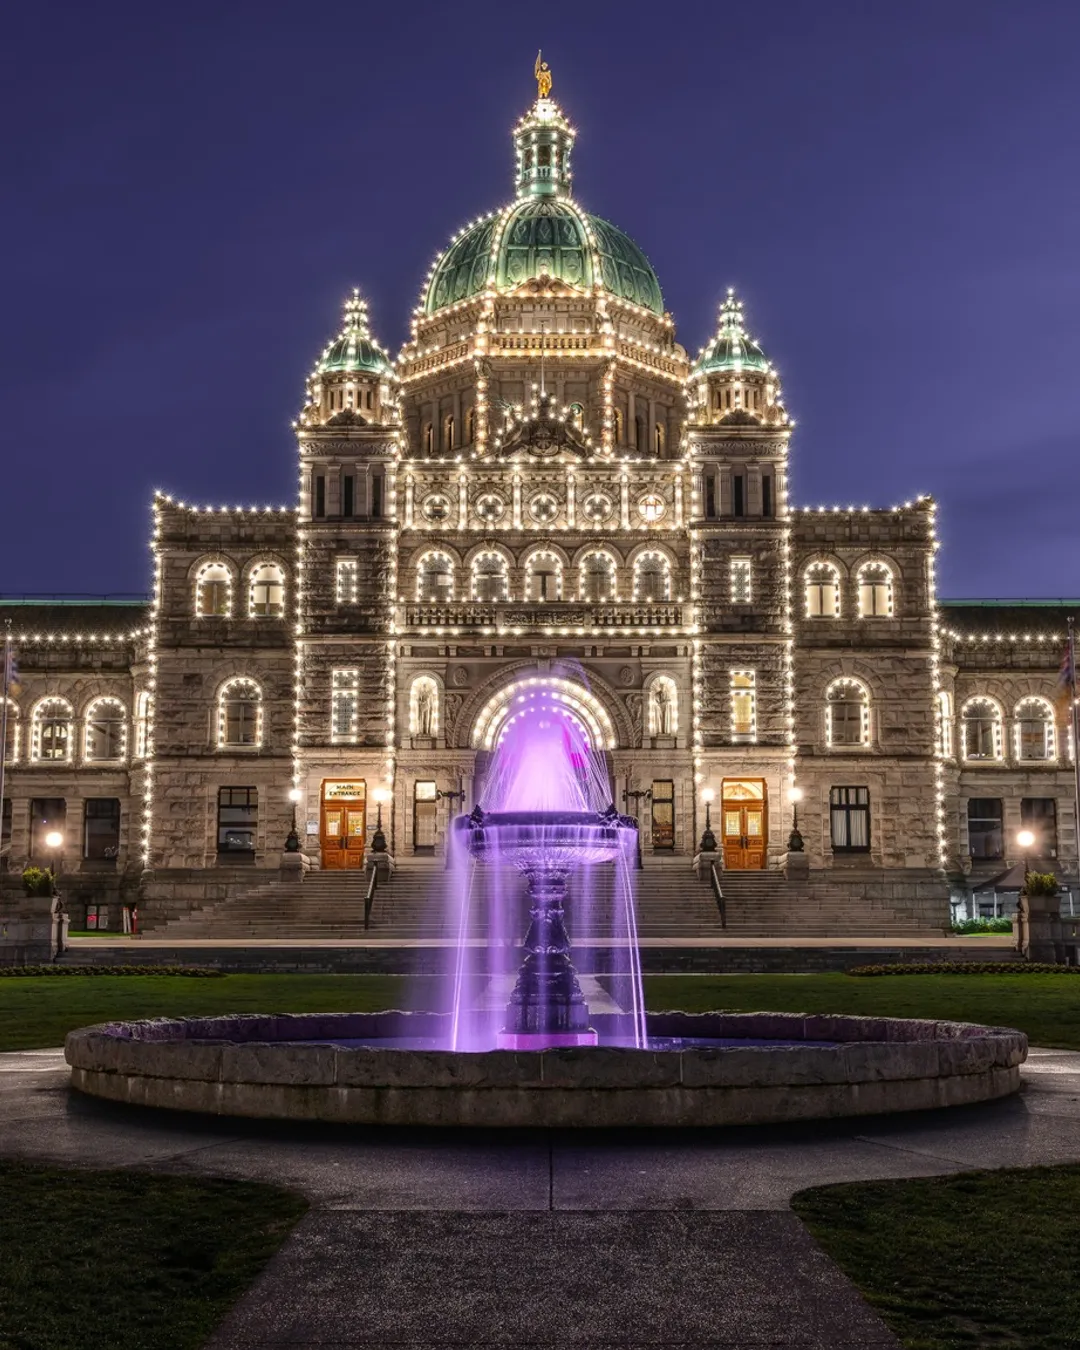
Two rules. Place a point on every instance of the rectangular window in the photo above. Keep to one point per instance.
(425, 810)
(345, 706)
(986, 838)
(348, 495)
(46, 815)
(376, 497)
(743, 705)
(237, 818)
(663, 813)
(318, 509)
(101, 828)
(849, 819)
(741, 575)
(710, 497)
(766, 495)
(1039, 815)
(738, 495)
(347, 580)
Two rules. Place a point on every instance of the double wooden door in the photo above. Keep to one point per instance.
(743, 818)
(343, 834)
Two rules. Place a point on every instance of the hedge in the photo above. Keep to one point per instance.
(195, 972)
(965, 968)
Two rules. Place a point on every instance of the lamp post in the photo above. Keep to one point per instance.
(795, 840)
(292, 839)
(54, 842)
(1026, 840)
(378, 839)
(637, 796)
(708, 839)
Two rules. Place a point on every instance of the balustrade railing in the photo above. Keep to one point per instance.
(546, 614)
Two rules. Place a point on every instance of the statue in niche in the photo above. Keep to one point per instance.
(425, 710)
(662, 708)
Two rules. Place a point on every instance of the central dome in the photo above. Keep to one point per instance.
(542, 234)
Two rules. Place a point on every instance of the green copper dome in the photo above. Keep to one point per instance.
(543, 233)
(354, 350)
(732, 348)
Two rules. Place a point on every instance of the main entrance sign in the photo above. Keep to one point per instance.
(343, 823)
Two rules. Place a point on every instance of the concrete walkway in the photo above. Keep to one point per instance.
(542, 1240)
(992, 942)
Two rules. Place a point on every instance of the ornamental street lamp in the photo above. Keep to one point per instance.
(292, 839)
(54, 842)
(1026, 840)
(378, 839)
(708, 839)
(795, 840)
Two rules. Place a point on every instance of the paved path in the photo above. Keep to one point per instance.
(992, 941)
(547, 1240)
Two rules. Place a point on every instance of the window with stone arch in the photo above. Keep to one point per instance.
(617, 425)
(490, 578)
(945, 724)
(214, 590)
(577, 416)
(435, 578)
(981, 728)
(105, 737)
(599, 576)
(663, 707)
(543, 575)
(240, 714)
(1034, 730)
(822, 591)
(266, 591)
(52, 725)
(847, 714)
(424, 707)
(449, 433)
(143, 711)
(875, 588)
(470, 425)
(652, 577)
(12, 729)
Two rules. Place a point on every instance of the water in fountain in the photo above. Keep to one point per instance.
(546, 816)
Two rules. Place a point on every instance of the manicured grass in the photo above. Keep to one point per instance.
(40, 1010)
(125, 1260)
(953, 1263)
(1045, 1007)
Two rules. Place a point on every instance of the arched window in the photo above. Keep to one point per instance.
(577, 416)
(658, 443)
(875, 591)
(213, 590)
(618, 426)
(652, 577)
(240, 715)
(663, 707)
(543, 576)
(424, 707)
(52, 722)
(106, 730)
(598, 577)
(847, 714)
(429, 439)
(143, 709)
(1035, 738)
(449, 433)
(981, 721)
(945, 726)
(11, 732)
(470, 425)
(490, 578)
(822, 591)
(267, 595)
(435, 578)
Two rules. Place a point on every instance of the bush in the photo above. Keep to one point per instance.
(965, 968)
(999, 925)
(1041, 883)
(37, 881)
(195, 972)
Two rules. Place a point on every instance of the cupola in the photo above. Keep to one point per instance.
(732, 379)
(354, 378)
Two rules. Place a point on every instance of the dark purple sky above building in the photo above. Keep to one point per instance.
(190, 190)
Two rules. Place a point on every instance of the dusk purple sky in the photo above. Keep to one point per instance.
(190, 190)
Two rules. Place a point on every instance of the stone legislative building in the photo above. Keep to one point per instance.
(545, 494)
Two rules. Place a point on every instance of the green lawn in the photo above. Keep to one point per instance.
(125, 1260)
(39, 1011)
(959, 1263)
(1045, 1007)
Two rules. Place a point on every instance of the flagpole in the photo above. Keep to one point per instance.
(1075, 721)
(3, 731)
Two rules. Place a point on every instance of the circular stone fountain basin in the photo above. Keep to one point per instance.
(701, 1069)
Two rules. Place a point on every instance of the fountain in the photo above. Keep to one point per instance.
(544, 1059)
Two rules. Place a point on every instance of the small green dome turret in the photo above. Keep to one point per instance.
(354, 350)
(732, 349)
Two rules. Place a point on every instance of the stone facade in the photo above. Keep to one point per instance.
(543, 491)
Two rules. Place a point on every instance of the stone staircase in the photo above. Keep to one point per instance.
(418, 903)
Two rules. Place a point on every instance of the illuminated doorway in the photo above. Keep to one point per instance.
(343, 822)
(744, 820)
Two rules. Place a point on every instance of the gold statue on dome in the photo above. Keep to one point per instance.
(542, 71)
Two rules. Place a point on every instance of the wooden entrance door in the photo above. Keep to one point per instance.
(663, 813)
(343, 824)
(744, 822)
